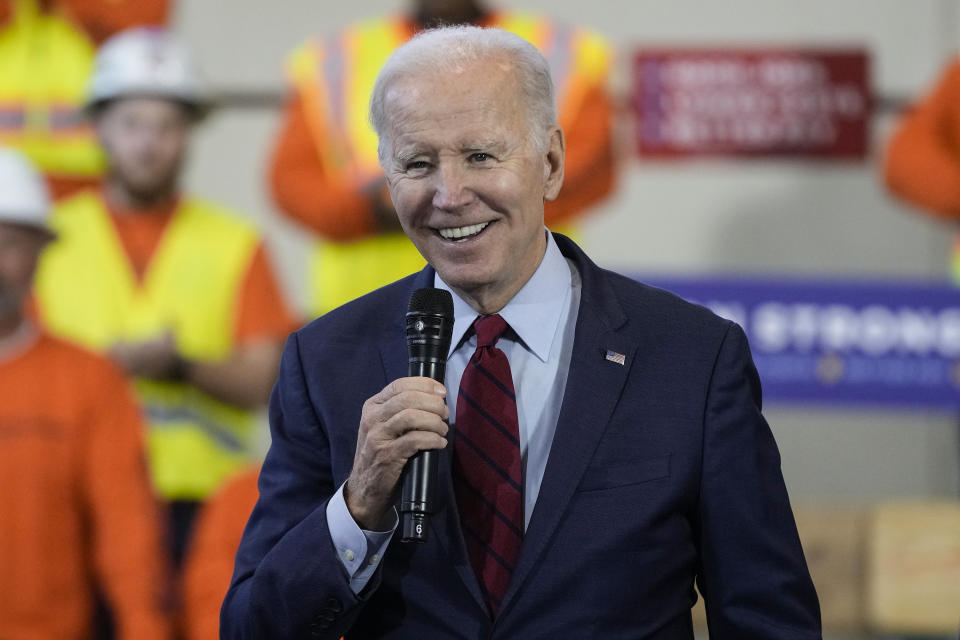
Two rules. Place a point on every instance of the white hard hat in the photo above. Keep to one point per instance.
(24, 198)
(145, 61)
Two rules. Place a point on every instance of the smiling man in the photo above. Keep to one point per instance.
(606, 450)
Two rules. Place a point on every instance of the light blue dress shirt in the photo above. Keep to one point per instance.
(543, 315)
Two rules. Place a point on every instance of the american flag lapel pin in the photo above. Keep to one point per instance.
(613, 356)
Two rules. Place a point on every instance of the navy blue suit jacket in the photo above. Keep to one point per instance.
(662, 471)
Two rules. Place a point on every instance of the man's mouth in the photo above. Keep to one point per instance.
(462, 233)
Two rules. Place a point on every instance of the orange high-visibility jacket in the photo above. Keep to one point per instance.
(209, 563)
(77, 507)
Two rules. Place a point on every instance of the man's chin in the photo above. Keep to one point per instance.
(148, 191)
(11, 304)
(459, 275)
(467, 282)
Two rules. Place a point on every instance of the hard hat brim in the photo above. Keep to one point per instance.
(199, 108)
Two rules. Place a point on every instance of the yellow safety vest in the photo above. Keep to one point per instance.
(45, 65)
(335, 80)
(87, 292)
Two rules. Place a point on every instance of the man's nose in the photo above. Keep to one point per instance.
(451, 190)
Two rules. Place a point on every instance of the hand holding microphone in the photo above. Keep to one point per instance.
(406, 418)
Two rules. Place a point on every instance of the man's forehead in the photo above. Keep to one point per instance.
(413, 107)
(482, 139)
(147, 103)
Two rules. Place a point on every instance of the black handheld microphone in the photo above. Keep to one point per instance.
(429, 325)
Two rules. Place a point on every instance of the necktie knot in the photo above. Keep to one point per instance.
(489, 329)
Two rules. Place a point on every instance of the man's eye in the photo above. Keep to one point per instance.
(479, 157)
(417, 165)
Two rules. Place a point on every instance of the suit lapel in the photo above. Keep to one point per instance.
(594, 385)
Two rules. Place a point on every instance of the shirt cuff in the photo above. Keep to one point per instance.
(359, 551)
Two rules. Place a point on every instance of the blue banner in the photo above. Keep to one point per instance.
(842, 342)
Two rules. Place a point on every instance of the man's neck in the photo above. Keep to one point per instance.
(10, 324)
(485, 302)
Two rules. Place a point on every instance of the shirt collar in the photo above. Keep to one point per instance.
(534, 312)
(18, 342)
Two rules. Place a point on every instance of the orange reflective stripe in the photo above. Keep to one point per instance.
(558, 50)
(313, 88)
(67, 118)
(333, 78)
(352, 50)
(12, 117)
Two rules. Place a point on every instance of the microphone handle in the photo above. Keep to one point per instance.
(420, 474)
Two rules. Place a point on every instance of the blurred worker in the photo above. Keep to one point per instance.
(325, 170)
(47, 49)
(923, 158)
(177, 290)
(208, 565)
(922, 164)
(76, 500)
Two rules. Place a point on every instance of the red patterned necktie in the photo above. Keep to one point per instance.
(486, 462)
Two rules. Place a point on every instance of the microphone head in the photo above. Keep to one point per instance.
(429, 330)
(431, 301)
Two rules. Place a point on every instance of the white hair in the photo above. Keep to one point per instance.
(446, 50)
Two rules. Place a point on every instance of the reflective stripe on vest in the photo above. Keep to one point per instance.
(335, 81)
(45, 64)
(955, 261)
(87, 292)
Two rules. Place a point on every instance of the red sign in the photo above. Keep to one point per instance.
(752, 102)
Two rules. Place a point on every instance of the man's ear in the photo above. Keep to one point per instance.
(553, 164)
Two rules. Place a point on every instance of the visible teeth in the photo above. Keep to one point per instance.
(455, 233)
